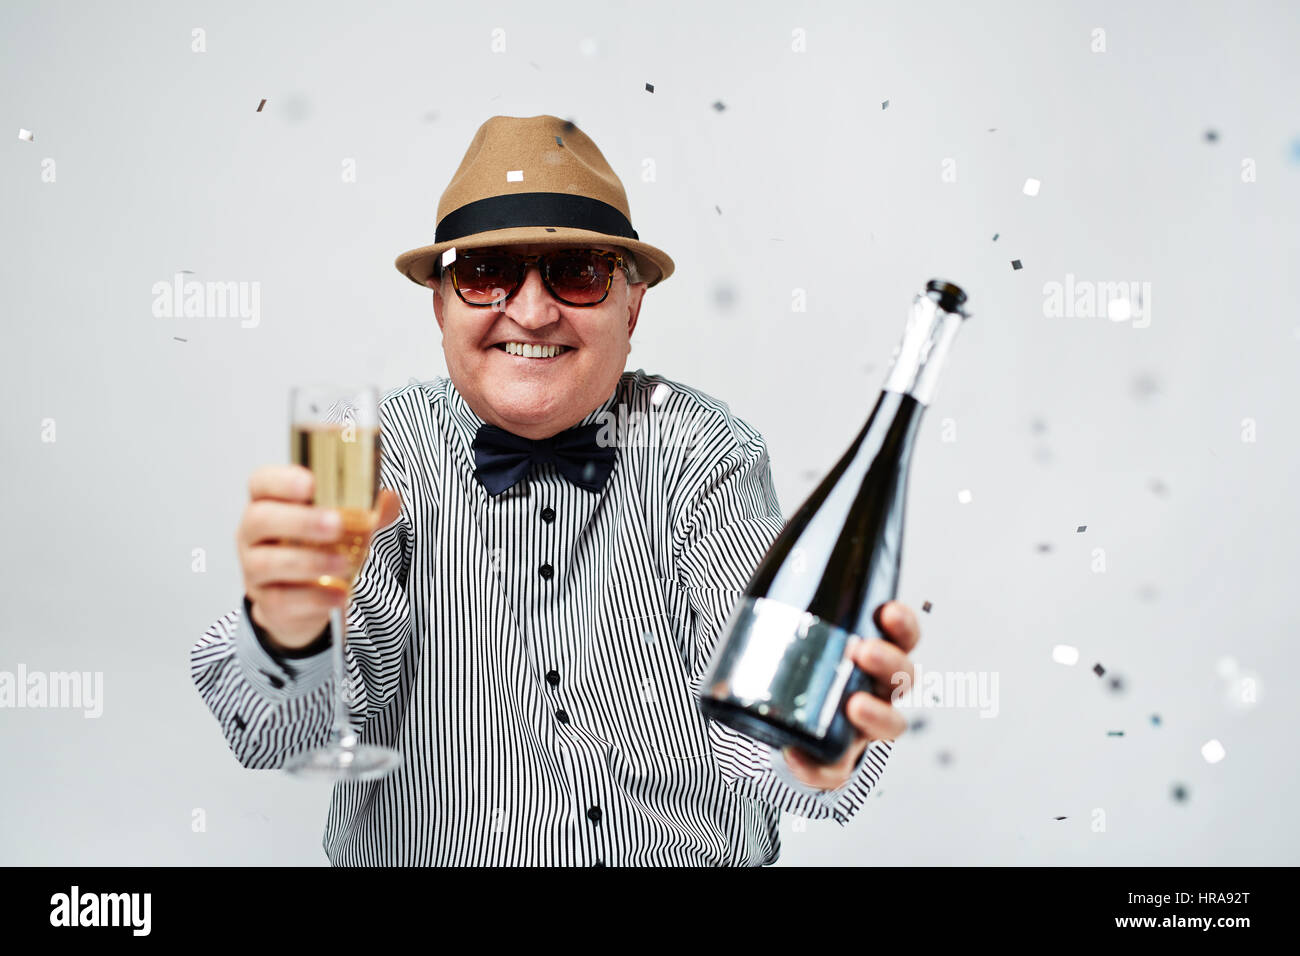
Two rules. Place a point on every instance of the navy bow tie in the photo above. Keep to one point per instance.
(502, 458)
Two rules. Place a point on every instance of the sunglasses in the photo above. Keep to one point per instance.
(581, 277)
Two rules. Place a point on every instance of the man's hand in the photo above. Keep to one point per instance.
(285, 550)
(874, 718)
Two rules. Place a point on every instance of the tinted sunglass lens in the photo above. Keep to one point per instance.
(485, 279)
(579, 278)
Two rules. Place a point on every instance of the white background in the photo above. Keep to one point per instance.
(163, 164)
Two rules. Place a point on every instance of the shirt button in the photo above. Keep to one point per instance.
(561, 716)
(548, 514)
(553, 678)
(546, 571)
(599, 863)
(594, 814)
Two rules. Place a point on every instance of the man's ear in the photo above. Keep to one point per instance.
(634, 295)
(436, 286)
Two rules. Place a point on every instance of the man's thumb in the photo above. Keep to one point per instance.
(389, 507)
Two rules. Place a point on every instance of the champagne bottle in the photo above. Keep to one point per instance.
(780, 672)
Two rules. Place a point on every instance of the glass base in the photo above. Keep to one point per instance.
(359, 762)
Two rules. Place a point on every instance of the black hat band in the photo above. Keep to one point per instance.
(533, 209)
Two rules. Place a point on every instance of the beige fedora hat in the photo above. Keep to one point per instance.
(533, 179)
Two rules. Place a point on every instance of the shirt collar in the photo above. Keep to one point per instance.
(466, 423)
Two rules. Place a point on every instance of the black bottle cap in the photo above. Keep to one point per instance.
(951, 297)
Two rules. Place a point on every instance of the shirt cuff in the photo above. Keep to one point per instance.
(280, 675)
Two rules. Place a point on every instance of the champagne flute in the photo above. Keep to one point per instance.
(334, 432)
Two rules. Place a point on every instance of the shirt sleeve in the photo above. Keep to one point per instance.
(728, 518)
(273, 704)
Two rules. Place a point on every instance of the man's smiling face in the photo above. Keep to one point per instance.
(537, 397)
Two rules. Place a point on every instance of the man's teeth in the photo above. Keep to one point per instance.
(534, 351)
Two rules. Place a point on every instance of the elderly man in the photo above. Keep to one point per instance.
(539, 603)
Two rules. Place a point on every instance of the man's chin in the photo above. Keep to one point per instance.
(523, 403)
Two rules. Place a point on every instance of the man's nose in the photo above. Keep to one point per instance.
(533, 306)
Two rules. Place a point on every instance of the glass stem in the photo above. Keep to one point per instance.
(341, 733)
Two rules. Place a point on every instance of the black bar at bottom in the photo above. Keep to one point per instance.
(886, 903)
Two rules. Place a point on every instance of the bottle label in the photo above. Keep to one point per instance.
(782, 664)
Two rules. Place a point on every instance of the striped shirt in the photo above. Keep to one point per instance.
(535, 656)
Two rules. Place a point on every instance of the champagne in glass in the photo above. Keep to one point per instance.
(335, 433)
(345, 465)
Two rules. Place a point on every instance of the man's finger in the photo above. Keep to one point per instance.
(884, 661)
(874, 718)
(282, 483)
(266, 565)
(899, 623)
(273, 521)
